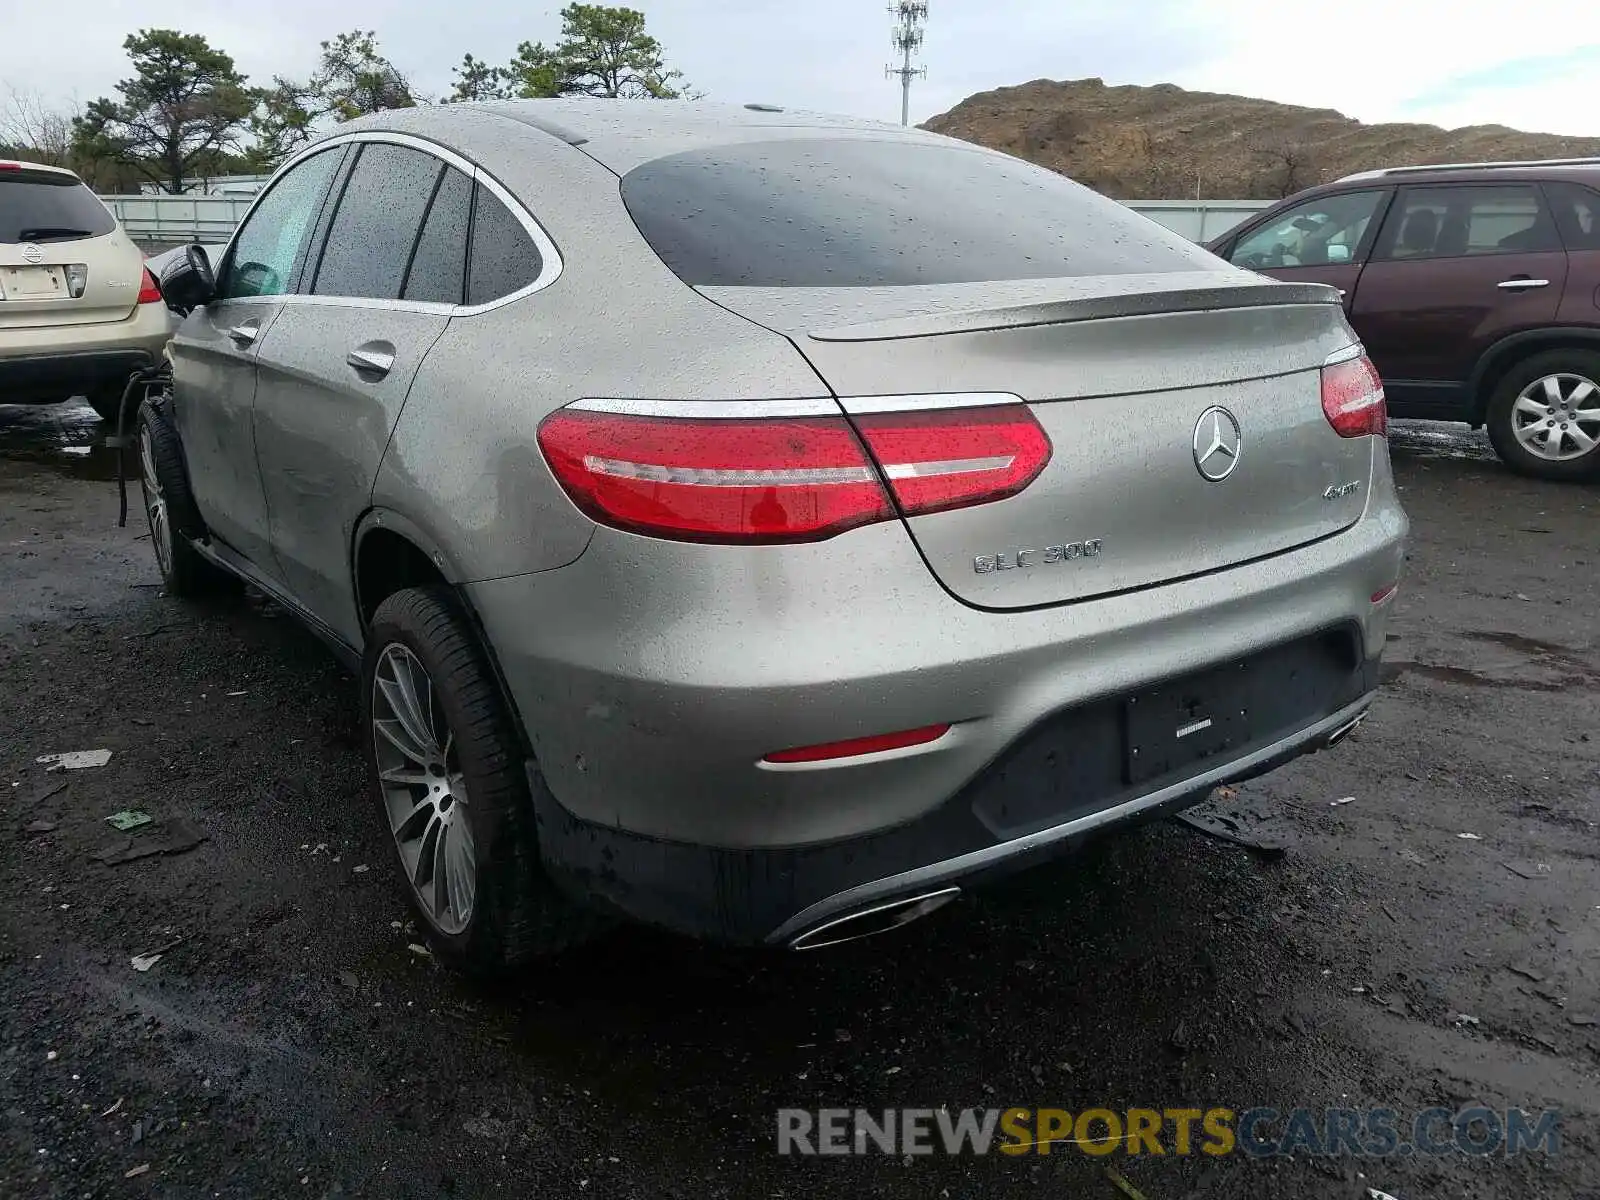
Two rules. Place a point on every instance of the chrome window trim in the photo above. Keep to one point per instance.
(1354, 350)
(932, 400)
(550, 262)
(821, 406)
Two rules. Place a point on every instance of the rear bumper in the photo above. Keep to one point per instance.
(773, 897)
(49, 363)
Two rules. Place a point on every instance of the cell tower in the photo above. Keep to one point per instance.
(910, 17)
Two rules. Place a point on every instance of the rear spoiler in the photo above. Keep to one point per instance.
(1087, 308)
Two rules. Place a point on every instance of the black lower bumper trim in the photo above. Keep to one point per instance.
(42, 378)
(1065, 772)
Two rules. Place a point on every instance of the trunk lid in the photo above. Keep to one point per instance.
(1126, 374)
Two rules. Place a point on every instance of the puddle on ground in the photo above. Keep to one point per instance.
(68, 438)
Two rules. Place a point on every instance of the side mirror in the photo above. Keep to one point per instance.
(187, 282)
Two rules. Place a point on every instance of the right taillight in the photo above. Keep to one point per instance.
(1352, 398)
(755, 479)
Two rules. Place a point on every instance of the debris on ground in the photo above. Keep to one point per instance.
(1528, 869)
(134, 1172)
(74, 760)
(1341, 800)
(143, 962)
(1375, 1194)
(1118, 1181)
(174, 836)
(115, 1107)
(39, 827)
(420, 950)
(128, 818)
(1582, 1020)
(1178, 1039)
(1525, 971)
(1228, 829)
(1465, 1019)
(1470, 837)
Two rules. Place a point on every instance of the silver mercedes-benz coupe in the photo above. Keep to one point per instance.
(761, 524)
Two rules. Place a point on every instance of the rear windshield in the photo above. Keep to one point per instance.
(39, 206)
(852, 212)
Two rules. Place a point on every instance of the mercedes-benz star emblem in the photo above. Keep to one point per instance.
(1217, 442)
(32, 253)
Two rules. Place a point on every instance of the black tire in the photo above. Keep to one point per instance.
(1502, 418)
(516, 913)
(184, 572)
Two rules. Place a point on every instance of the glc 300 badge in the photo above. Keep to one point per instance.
(1335, 490)
(1010, 560)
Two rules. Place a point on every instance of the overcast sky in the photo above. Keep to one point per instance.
(1450, 62)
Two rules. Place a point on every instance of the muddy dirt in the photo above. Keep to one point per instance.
(291, 1041)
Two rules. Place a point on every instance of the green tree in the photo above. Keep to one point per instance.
(184, 105)
(603, 51)
(478, 80)
(284, 120)
(355, 79)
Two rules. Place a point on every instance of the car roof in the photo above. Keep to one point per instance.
(1486, 172)
(18, 164)
(621, 134)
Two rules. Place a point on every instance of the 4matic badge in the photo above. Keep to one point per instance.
(1009, 560)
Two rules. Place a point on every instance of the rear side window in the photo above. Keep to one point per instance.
(504, 258)
(439, 266)
(857, 212)
(1454, 222)
(375, 229)
(42, 206)
(1577, 210)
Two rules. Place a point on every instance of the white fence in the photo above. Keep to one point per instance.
(174, 219)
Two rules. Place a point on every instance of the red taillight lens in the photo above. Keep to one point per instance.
(875, 744)
(950, 458)
(1352, 398)
(785, 479)
(791, 479)
(149, 292)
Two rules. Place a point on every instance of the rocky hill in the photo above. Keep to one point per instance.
(1163, 142)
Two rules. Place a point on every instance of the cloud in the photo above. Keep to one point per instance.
(1433, 60)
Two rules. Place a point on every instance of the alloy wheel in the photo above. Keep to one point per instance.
(155, 503)
(1557, 417)
(424, 790)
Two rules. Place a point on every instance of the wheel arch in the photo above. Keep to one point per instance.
(1502, 356)
(390, 552)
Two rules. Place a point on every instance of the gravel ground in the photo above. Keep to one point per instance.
(291, 1042)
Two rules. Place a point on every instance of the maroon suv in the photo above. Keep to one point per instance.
(1476, 289)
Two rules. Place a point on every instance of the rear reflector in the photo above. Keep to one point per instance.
(752, 479)
(875, 744)
(1352, 398)
(149, 290)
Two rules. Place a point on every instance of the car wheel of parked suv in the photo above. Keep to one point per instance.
(1544, 415)
(449, 781)
(171, 511)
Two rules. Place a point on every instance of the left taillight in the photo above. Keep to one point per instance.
(149, 290)
(1352, 398)
(752, 479)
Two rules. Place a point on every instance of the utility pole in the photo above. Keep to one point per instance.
(910, 17)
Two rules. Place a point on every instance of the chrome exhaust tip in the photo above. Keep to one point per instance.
(880, 918)
(1345, 730)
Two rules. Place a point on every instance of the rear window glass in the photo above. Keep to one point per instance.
(847, 212)
(36, 206)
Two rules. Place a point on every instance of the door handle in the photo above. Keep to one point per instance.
(373, 359)
(245, 332)
(1522, 284)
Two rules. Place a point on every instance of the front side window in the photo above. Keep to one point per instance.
(869, 212)
(1326, 230)
(1457, 222)
(47, 206)
(379, 219)
(270, 242)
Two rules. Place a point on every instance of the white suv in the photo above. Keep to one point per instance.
(78, 310)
